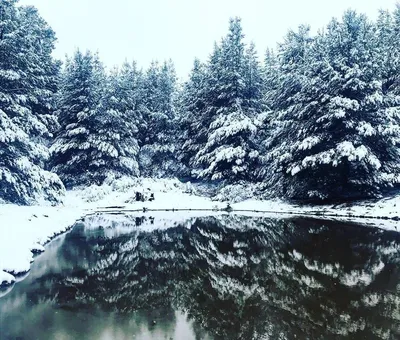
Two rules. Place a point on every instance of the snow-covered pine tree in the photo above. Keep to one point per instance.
(229, 153)
(191, 109)
(42, 74)
(271, 78)
(27, 81)
(284, 79)
(254, 92)
(385, 39)
(167, 89)
(255, 103)
(76, 143)
(158, 153)
(115, 147)
(388, 44)
(203, 117)
(336, 135)
(132, 80)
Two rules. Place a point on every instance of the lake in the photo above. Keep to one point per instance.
(217, 277)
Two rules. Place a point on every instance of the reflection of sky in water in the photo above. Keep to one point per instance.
(64, 324)
(44, 318)
(115, 277)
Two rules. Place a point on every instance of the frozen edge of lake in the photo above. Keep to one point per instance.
(25, 230)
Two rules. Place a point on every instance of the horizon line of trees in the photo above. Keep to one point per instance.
(318, 119)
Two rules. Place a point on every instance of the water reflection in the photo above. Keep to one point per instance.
(224, 277)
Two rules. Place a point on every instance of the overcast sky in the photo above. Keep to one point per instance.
(181, 29)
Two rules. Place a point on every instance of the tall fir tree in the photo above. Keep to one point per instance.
(75, 143)
(27, 83)
(42, 74)
(336, 133)
(388, 46)
(158, 154)
(116, 131)
(254, 92)
(271, 77)
(191, 106)
(229, 153)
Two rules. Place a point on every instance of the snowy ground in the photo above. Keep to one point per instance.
(25, 230)
(384, 213)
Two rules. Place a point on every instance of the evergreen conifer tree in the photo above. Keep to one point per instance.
(336, 132)
(158, 154)
(27, 83)
(75, 145)
(229, 153)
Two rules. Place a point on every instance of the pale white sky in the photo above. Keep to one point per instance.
(181, 29)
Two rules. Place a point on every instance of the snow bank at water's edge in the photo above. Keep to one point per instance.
(24, 230)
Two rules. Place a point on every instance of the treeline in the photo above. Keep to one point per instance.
(318, 119)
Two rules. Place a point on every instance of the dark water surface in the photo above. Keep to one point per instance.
(226, 277)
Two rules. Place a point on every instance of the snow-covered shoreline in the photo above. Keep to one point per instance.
(25, 230)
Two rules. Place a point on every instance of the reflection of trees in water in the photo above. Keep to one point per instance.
(241, 278)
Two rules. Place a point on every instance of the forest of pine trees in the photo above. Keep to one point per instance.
(317, 119)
